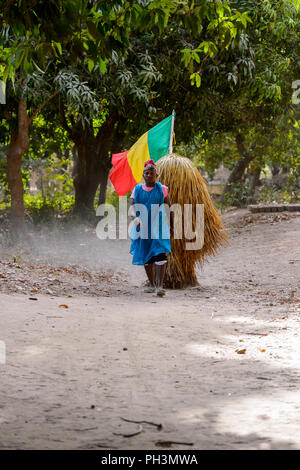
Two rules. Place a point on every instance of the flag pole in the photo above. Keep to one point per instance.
(172, 132)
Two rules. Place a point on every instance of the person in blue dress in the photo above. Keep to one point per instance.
(150, 235)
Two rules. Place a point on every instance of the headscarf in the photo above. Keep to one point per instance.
(149, 163)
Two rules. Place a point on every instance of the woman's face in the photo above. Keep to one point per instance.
(150, 175)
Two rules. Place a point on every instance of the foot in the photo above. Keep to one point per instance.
(150, 290)
(160, 292)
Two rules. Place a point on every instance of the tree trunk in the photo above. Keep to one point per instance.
(86, 180)
(116, 147)
(254, 179)
(18, 146)
(103, 187)
(75, 161)
(242, 164)
(92, 162)
(92, 168)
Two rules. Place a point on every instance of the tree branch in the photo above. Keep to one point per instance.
(239, 139)
(30, 119)
(65, 123)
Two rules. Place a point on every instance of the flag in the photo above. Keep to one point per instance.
(129, 165)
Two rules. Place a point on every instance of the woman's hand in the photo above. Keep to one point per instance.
(137, 222)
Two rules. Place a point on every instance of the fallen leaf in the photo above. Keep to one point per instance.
(64, 306)
(163, 443)
(240, 351)
(262, 350)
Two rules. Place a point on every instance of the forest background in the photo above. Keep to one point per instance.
(83, 79)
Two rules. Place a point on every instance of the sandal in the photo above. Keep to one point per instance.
(161, 292)
(150, 290)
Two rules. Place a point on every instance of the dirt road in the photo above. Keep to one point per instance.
(217, 365)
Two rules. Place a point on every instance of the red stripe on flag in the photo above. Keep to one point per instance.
(121, 176)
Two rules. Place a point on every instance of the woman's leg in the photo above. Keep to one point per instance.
(149, 268)
(160, 273)
(160, 267)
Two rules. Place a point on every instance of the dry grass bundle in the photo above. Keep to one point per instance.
(187, 186)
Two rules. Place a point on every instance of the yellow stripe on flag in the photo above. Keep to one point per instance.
(137, 156)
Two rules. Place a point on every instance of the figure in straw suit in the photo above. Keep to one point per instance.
(187, 186)
(150, 233)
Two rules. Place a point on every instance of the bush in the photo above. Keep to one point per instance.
(286, 194)
(239, 195)
(43, 209)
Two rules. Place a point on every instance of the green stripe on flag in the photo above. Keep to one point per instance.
(159, 139)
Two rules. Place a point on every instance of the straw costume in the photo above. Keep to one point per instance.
(187, 186)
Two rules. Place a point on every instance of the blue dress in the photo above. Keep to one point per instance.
(153, 238)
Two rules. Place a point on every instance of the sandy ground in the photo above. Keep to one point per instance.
(217, 365)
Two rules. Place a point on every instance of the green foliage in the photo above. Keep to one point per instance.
(210, 153)
(78, 95)
(89, 31)
(225, 66)
(270, 194)
(43, 209)
(238, 196)
(113, 198)
(224, 30)
(55, 196)
(54, 177)
(47, 137)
